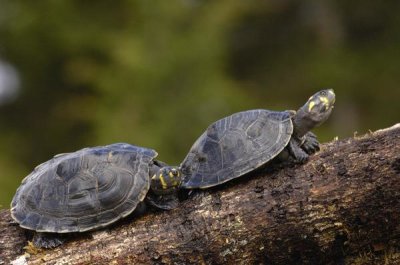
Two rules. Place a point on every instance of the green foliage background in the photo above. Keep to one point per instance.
(156, 73)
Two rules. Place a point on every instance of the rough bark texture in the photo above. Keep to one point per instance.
(343, 203)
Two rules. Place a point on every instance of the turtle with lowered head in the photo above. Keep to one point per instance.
(90, 189)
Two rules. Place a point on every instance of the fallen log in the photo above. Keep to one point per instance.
(342, 205)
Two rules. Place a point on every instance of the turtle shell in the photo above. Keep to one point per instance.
(84, 190)
(236, 145)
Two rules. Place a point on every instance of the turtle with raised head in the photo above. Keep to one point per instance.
(245, 141)
(90, 189)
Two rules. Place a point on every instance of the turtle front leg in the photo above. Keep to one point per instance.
(311, 144)
(165, 202)
(47, 240)
(296, 151)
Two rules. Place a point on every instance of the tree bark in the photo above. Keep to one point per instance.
(342, 205)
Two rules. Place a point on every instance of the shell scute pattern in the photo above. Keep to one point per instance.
(234, 146)
(83, 190)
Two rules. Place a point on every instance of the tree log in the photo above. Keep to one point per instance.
(344, 203)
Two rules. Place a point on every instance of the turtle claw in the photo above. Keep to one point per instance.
(301, 158)
(47, 240)
(311, 144)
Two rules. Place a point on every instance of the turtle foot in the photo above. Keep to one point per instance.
(47, 240)
(299, 155)
(165, 202)
(311, 144)
(301, 158)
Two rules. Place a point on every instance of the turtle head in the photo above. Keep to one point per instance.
(316, 110)
(319, 106)
(166, 180)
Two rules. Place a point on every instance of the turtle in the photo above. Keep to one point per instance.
(245, 141)
(90, 189)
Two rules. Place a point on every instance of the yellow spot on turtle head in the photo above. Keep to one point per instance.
(154, 177)
(325, 100)
(171, 174)
(311, 105)
(163, 183)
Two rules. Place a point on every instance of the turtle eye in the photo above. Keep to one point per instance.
(323, 93)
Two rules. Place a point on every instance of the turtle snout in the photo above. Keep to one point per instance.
(331, 97)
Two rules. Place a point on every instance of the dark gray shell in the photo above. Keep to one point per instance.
(84, 190)
(234, 146)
